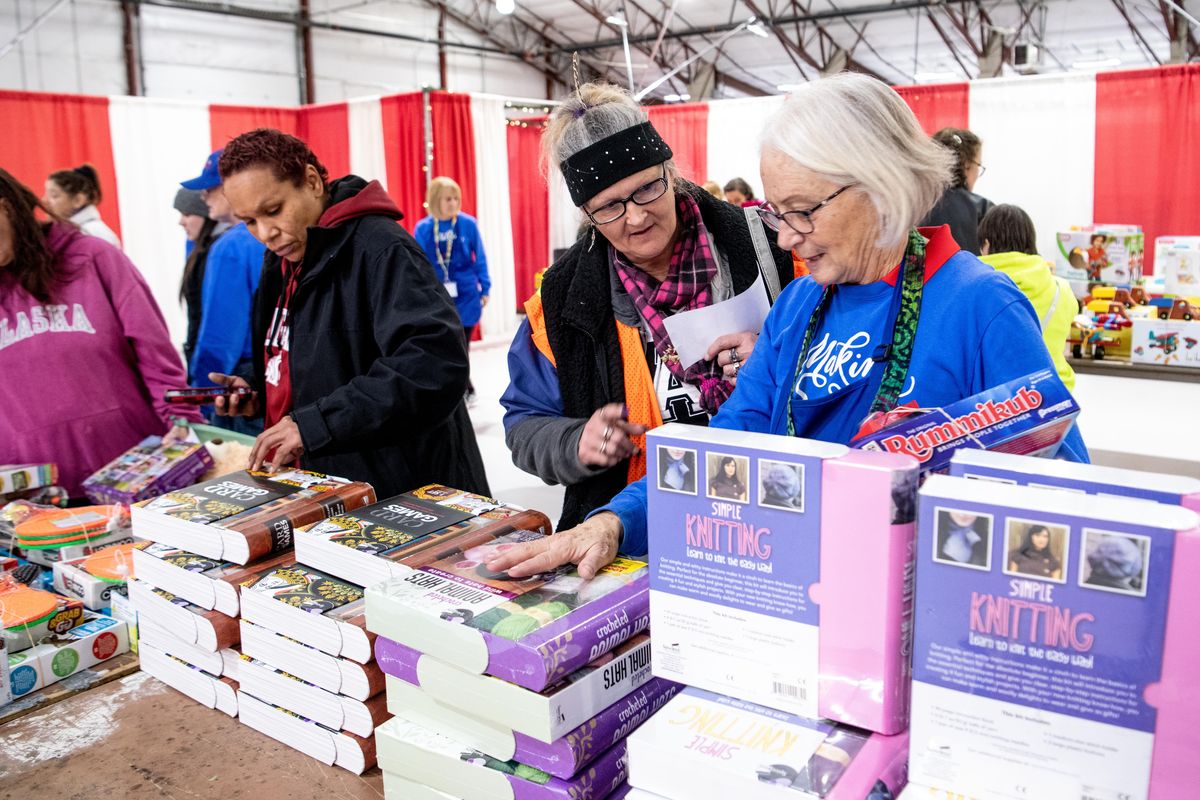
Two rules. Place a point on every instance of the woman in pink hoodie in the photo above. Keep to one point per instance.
(84, 350)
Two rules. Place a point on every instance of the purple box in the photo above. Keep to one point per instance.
(147, 470)
(531, 632)
(1027, 416)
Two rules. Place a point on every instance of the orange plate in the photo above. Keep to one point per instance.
(114, 564)
(65, 523)
(25, 605)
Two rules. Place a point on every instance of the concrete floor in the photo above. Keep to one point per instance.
(138, 739)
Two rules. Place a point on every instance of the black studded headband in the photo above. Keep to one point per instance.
(597, 167)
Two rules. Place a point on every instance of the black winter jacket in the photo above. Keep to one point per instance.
(377, 357)
(580, 323)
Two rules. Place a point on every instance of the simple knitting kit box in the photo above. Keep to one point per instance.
(780, 572)
(1055, 645)
(1027, 416)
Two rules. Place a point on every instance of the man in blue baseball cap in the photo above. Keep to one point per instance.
(231, 277)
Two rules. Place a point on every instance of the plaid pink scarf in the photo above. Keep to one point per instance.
(688, 286)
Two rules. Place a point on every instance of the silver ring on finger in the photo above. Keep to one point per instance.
(734, 358)
(607, 432)
(603, 447)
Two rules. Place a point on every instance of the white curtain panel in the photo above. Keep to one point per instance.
(367, 156)
(157, 144)
(494, 212)
(733, 130)
(1039, 147)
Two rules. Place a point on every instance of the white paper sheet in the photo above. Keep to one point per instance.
(693, 331)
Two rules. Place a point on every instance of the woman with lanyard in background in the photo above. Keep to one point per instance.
(451, 240)
(890, 314)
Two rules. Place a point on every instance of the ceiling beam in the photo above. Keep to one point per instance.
(1137, 34)
(949, 44)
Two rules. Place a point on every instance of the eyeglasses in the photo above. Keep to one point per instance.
(801, 221)
(982, 168)
(644, 195)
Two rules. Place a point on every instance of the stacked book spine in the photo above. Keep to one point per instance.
(501, 687)
(188, 604)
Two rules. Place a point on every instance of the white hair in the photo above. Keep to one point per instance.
(852, 128)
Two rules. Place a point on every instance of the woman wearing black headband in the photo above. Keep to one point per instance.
(888, 316)
(593, 366)
(74, 194)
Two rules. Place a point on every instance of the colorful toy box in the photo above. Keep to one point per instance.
(1055, 646)
(148, 469)
(1027, 416)
(1177, 262)
(96, 577)
(760, 563)
(22, 477)
(98, 639)
(1172, 343)
(1109, 254)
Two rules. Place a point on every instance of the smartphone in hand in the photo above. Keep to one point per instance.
(203, 395)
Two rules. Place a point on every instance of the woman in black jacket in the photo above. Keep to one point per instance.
(363, 366)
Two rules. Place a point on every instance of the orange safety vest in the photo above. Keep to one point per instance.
(640, 398)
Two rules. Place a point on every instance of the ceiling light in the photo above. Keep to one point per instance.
(676, 98)
(506, 6)
(788, 87)
(1098, 63)
(757, 29)
(616, 20)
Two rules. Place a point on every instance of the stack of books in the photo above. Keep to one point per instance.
(508, 687)
(1055, 645)
(148, 469)
(205, 541)
(781, 595)
(309, 676)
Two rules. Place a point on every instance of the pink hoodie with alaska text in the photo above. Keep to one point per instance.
(82, 376)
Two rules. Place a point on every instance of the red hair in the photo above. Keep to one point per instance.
(286, 156)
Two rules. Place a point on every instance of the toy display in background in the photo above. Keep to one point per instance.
(1168, 343)
(1177, 260)
(1109, 254)
(147, 470)
(1101, 334)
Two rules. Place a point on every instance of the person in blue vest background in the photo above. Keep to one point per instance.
(451, 240)
(231, 274)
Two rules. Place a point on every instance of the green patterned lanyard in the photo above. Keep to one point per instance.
(904, 331)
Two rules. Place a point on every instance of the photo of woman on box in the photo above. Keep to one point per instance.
(84, 349)
(593, 367)
(361, 367)
(1035, 556)
(725, 481)
(889, 315)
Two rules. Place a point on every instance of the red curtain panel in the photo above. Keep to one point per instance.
(42, 133)
(229, 122)
(1148, 151)
(939, 105)
(403, 134)
(685, 129)
(454, 143)
(326, 129)
(530, 201)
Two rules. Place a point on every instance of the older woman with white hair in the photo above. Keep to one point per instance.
(889, 315)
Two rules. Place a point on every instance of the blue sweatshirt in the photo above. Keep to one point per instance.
(976, 330)
(231, 275)
(468, 261)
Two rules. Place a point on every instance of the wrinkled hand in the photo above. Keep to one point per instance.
(607, 437)
(284, 438)
(177, 434)
(592, 545)
(731, 352)
(245, 405)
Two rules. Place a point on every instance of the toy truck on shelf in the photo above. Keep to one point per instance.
(1184, 308)
(1101, 334)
